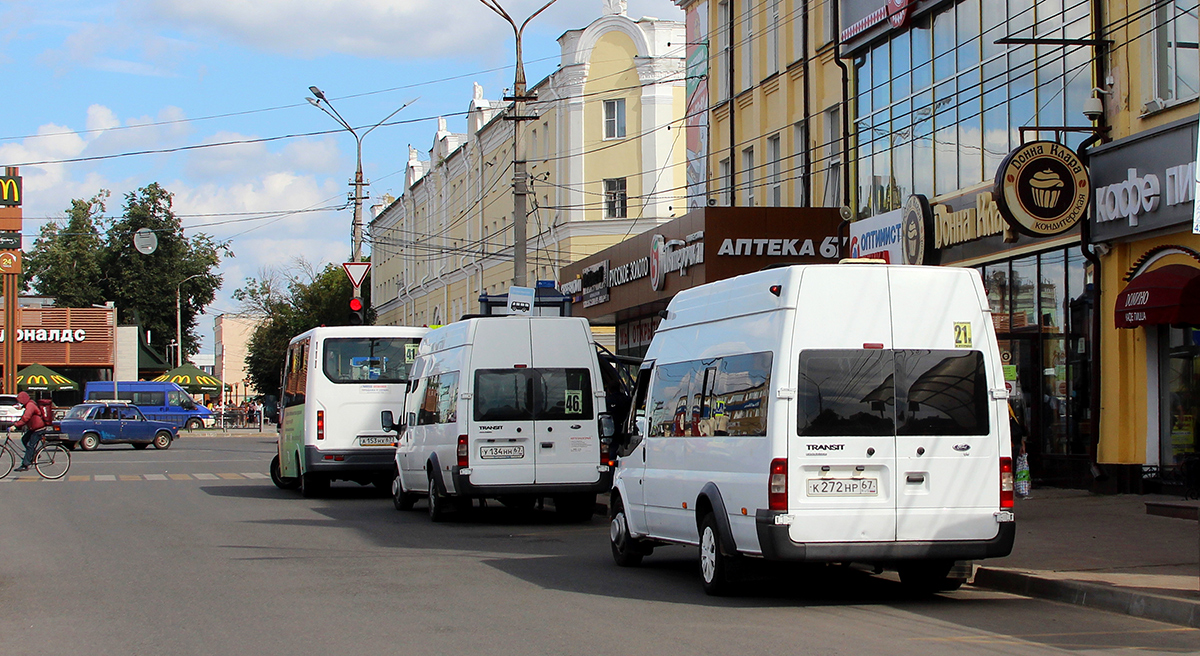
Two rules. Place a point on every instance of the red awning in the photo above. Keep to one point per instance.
(1167, 295)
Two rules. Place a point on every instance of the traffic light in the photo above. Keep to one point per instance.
(357, 318)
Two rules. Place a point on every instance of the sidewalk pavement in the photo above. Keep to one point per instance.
(267, 431)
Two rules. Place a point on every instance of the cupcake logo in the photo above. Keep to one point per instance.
(1042, 189)
(1047, 187)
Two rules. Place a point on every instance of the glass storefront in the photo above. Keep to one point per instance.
(1041, 306)
(1179, 353)
(939, 105)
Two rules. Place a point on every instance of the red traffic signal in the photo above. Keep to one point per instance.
(357, 316)
(356, 305)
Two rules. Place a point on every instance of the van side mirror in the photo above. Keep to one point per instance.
(608, 427)
(387, 422)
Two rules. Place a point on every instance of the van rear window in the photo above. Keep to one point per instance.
(528, 394)
(892, 392)
(369, 359)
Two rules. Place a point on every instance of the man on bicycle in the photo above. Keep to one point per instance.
(33, 424)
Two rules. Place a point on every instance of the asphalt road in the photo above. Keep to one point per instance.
(193, 551)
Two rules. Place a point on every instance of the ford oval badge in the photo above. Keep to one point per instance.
(962, 447)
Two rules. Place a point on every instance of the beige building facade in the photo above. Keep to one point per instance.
(605, 159)
(231, 342)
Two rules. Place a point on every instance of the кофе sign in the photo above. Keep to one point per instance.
(1042, 189)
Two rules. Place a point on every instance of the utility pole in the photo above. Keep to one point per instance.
(358, 184)
(520, 178)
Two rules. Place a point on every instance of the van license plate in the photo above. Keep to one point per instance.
(843, 487)
(501, 452)
(377, 440)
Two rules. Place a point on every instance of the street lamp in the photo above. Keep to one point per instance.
(179, 322)
(332, 112)
(520, 181)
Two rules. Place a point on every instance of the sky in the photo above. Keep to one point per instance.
(112, 84)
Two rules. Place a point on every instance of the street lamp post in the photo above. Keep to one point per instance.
(520, 179)
(356, 229)
(179, 321)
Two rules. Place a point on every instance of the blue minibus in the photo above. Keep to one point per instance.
(161, 401)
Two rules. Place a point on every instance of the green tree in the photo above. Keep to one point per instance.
(291, 302)
(79, 266)
(65, 261)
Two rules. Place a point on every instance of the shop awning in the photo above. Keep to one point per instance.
(1167, 295)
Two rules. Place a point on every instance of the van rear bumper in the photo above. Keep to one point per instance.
(776, 544)
(463, 486)
(353, 461)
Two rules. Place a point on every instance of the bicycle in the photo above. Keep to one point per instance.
(51, 460)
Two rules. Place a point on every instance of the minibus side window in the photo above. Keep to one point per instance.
(670, 413)
(439, 399)
(941, 393)
(740, 395)
(846, 392)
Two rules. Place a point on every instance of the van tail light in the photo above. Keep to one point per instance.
(777, 488)
(462, 451)
(320, 424)
(1006, 483)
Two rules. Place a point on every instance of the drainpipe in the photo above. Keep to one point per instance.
(732, 107)
(805, 156)
(1100, 70)
(837, 58)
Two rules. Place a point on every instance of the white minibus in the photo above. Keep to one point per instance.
(506, 407)
(335, 382)
(845, 413)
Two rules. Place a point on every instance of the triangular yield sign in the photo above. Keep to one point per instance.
(357, 271)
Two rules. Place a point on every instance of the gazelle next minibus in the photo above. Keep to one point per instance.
(335, 383)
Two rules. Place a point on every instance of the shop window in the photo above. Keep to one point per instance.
(1024, 289)
(1179, 366)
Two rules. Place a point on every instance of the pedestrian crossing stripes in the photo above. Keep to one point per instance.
(130, 478)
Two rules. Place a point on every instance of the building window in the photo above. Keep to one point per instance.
(614, 118)
(799, 167)
(773, 38)
(1176, 54)
(725, 179)
(747, 20)
(724, 32)
(833, 157)
(748, 175)
(938, 106)
(615, 199)
(774, 172)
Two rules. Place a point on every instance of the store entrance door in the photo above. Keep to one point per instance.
(1036, 374)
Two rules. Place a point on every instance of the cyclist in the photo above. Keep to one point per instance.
(33, 424)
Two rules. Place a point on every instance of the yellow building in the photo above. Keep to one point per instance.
(1142, 222)
(232, 333)
(605, 159)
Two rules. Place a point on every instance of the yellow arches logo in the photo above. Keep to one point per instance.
(183, 379)
(10, 190)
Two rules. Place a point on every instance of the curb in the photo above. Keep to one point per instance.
(1172, 610)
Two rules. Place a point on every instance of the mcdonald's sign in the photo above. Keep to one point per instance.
(10, 190)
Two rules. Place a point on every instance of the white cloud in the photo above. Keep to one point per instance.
(116, 47)
(252, 160)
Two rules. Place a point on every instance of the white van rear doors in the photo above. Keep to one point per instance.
(500, 440)
(842, 454)
(947, 475)
(568, 436)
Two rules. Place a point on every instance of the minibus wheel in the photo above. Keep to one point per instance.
(716, 568)
(278, 479)
(438, 509)
(625, 549)
(400, 499)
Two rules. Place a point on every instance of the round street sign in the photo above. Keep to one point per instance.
(145, 241)
(1042, 189)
